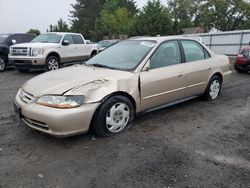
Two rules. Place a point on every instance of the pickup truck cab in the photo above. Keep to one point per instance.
(50, 51)
(6, 40)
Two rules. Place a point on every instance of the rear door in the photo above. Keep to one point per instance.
(198, 67)
(165, 81)
(81, 47)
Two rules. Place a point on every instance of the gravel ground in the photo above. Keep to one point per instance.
(193, 144)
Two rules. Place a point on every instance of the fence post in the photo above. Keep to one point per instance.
(241, 39)
(211, 41)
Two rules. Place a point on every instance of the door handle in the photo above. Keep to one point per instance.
(180, 75)
(210, 68)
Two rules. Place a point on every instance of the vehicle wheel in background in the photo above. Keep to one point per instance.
(2, 63)
(239, 70)
(113, 117)
(93, 54)
(52, 63)
(213, 88)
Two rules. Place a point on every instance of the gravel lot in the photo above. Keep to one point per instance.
(194, 144)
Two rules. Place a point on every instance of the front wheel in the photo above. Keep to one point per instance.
(213, 88)
(2, 64)
(113, 117)
(52, 63)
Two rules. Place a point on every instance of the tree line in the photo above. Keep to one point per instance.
(96, 18)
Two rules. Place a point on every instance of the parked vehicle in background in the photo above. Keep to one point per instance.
(50, 51)
(133, 76)
(242, 63)
(106, 44)
(6, 40)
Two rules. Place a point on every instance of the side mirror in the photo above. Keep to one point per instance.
(65, 43)
(147, 66)
(13, 41)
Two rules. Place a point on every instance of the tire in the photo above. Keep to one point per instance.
(239, 70)
(52, 63)
(94, 53)
(3, 63)
(213, 88)
(107, 123)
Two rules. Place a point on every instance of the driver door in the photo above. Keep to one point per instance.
(68, 51)
(165, 81)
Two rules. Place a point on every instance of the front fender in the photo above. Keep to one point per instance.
(97, 90)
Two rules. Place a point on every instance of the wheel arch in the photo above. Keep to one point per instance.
(117, 93)
(54, 54)
(219, 75)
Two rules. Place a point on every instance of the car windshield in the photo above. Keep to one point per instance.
(105, 43)
(3, 38)
(125, 55)
(48, 38)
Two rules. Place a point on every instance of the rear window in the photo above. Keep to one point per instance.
(194, 51)
(78, 39)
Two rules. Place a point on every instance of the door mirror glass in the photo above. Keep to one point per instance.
(65, 43)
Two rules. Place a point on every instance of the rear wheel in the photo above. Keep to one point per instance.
(52, 63)
(2, 63)
(213, 88)
(113, 117)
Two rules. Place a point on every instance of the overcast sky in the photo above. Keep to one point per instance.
(21, 15)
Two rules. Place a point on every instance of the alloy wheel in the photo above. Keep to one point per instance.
(53, 64)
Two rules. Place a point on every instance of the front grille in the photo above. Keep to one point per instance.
(20, 51)
(35, 123)
(26, 97)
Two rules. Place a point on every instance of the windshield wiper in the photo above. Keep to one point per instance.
(101, 65)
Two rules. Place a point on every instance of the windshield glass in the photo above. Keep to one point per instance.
(48, 38)
(125, 55)
(105, 43)
(3, 38)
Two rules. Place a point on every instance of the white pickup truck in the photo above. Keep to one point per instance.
(50, 51)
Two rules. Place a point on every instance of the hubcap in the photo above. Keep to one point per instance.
(53, 64)
(214, 89)
(117, 117)
(2, 64)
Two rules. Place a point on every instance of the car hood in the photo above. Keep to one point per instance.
(63, 80)
(36, 45)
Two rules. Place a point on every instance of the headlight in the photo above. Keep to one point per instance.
(61, 101)
(37, 51)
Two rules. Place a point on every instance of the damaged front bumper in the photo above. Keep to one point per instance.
(56, 122)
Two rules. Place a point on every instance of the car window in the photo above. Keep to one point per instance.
(167, 54)
(78, 39)
(194, 51)
(69, 38)
(28, 38)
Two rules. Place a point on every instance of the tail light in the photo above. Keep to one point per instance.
(241, 60)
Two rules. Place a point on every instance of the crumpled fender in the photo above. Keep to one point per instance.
(97, 90)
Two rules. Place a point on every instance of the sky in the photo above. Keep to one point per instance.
(22, 15)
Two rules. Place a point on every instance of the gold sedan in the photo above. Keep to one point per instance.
(133, 76)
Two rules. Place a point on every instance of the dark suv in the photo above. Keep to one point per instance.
(242, 63)
(6, 40)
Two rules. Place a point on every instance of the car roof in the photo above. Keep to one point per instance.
(63, 33)
(246, 48)
(164, 38)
